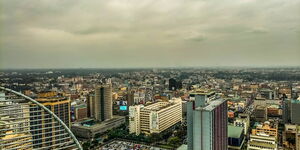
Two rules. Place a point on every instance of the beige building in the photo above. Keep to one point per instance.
(291, 132)
(14, 135)
(101, 104)
(264, 136)
(155, 117)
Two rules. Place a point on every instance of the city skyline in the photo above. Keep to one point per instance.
(149, 34)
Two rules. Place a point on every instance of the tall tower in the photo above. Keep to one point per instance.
(103, 103)
(207, 123)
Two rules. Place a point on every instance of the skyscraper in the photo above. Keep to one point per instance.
(207, 123)
(60, 106)
(295, 111)
(102, 103)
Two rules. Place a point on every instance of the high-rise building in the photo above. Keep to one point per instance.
(102, 103)
(90, 102)
(130, 98)
(291, 136)
(14, 127)
(28, 124)
(207, 123)
(155, 117)
(286, 109)
(60, 106)
(295, 111)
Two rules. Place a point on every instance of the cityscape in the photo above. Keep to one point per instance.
(149, 75)
(188, 108)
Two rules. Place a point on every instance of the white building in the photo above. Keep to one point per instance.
(155, 117)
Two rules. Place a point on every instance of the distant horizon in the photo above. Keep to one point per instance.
(185, 67)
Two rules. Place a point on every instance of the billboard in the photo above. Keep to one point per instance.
(123, 107)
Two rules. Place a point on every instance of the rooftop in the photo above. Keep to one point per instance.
(212, 105)
(294, 101)
(234, 132)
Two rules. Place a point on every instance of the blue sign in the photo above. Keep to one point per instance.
(123, 107)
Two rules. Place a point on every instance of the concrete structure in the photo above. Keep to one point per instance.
(60, 106)
(28, 124)
(80, 112)
(264, 136)
(102, 103)
(154, 118)
(13, 133)
(291, 137)
(295, 111)
(207, 122)
(236, 137)
(88, 129)
(260, 113)
(243, 121)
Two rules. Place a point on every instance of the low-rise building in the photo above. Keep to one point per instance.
(243, 121)
(155, 117)
(264, 136)
(236, 137)
(291, 136)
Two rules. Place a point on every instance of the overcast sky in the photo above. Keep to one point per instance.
(148, 33)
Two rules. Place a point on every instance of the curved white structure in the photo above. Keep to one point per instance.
(27, 124)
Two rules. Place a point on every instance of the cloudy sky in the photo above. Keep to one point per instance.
(148, 33)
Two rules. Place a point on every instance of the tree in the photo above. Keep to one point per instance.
(155, 137)
(86, 145)
(174, 141)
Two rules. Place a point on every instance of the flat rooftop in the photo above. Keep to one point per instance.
(212, 105)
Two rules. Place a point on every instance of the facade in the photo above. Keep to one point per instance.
(28, 124)
(14, 133)
(236, 137)
(80, 112)
(60, 106)
(87, 129)
(207, 123)
(102, 103)
(260, 113)
(295, 111)
(264, 136)
(243, 121)
(154, 118)
(291, 136)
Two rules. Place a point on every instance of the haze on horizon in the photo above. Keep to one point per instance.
(148, 33)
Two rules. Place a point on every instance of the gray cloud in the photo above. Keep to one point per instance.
(114, 33)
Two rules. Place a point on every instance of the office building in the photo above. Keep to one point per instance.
(295, 112)
(155, 117)
(60, 106)
(14, 127)
(27, 124)
(286, 110)
(207, 122)
(291, 136)
(89, 104)
(10, 139)
(264, 136)
(130, 98)
(260, 113)
(80, 112)
(101, 104)
(243, 121)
